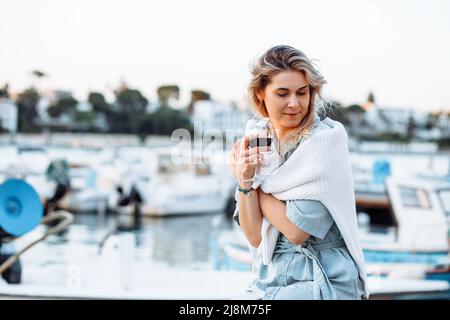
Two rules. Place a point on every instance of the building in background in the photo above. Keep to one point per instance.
(8, 115)
(212, 115)
(393, 120)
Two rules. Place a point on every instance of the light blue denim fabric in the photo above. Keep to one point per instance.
(320, 268)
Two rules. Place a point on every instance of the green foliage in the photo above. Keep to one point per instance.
(146, 125)
(98, 102)
(355, 108)
(130, 99)
(132, 118)
(27, 110)
(38, 74)
(165, 120)
(371, 98)
(65, 105)
(86, 118)
(387, 136)
(444, 144)
(119, 122)
(167, 92)
(197, 95)
(4, 92)
(128, 116)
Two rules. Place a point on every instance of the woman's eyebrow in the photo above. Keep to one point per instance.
(286, 89)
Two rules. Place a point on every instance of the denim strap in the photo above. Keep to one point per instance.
(322, 285)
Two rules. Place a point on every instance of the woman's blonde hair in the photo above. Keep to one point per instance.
(281, 58)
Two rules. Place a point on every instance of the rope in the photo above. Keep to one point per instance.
(66, 219)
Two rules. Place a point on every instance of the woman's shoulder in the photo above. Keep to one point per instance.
(323, 122)
(319, 125)
(330, 128)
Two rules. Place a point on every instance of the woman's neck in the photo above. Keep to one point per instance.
(282, 132)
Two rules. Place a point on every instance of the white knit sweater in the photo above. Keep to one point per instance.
(319, 169)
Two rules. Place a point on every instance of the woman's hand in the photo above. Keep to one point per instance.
(245, 161)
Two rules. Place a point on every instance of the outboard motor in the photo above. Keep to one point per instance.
(133, 199)
(57, 171)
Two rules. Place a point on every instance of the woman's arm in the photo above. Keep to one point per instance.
(274, 211)
(244, 162)
(250, 217)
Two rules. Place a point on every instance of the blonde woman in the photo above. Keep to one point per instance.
(299, 219)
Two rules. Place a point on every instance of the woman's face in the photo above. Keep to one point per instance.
(287, 100)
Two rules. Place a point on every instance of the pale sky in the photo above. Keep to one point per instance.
(399, 49)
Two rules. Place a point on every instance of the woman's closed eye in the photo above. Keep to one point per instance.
(285, 94)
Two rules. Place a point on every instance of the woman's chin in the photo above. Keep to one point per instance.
(291, 123)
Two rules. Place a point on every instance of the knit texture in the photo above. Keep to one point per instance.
(319, 169)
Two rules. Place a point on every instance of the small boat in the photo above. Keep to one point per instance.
(179, 183)
(421, 222)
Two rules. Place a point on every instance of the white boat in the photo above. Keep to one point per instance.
(28, 163)
(418, 246)
(420, 209)
(85, 167)
(371, 168)
(171, 180)
(178, 182)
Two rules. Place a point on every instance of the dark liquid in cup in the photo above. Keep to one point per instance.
(260, 142)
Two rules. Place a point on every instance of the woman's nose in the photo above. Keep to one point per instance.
(293, 101)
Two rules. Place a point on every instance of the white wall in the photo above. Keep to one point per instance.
(8, 115)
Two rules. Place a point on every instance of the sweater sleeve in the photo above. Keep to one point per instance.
(310, 216)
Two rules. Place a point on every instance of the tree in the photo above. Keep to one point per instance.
(38, 74)
(27, 109)
(4, 93)
(431, 121)
(197, 95)
(130, 99)
(355, 108)
(119, 122)
(371, 98)
(65, 105)
(84, 119)
(167, 92)
(165, 120)
(411, 127)
(98, 102)
(131, 109)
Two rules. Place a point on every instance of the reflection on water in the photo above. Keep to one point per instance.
(179, 241)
